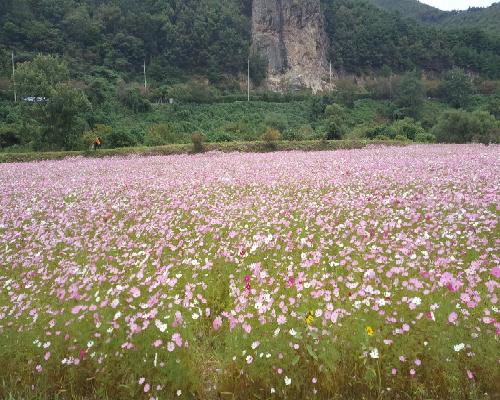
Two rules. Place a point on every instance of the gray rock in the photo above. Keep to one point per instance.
(291, 35)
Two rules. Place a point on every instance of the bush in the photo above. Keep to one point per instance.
(460, 126)
(120, 138)
(335, 130)
(276, 121)
(197, 140)
(408, 128)
(425, 137)
(220, 137)
(9, 136)
(159, 134)
(135, 100)
(456, 88)
(99, 131)
(270, 137)
(410, 94)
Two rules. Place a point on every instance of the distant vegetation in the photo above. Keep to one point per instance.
(397, 79)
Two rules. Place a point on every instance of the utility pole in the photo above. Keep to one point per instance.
(145, 79)
(330, 75)
(14, 78)
(248, 81)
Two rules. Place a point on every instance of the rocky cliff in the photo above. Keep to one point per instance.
(291, 35)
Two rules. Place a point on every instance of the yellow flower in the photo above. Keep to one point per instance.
(369, 331)
(309, 318)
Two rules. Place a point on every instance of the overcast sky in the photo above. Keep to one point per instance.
(458, 4)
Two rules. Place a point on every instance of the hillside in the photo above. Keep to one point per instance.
(413, 9)
(486, 19)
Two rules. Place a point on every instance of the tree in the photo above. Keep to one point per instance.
(457, 88)
(39, 76)
(62, 118)
(459, 126)
(410, 94)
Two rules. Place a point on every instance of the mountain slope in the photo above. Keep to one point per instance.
(486, 19)
(413, 9)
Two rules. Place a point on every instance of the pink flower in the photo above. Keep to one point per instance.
(176, 337)
(281, 319)
(147, 387)
(394, 371)
(217, 323)
(157, 343)
(470, 375)
(135, 292)
(39, 368)
(452, 318)
(141, 380)
(47, 356)
(170, 346)
(412, 372)
(418, 362)
(496, 272)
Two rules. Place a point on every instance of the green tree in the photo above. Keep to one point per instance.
(457, 88)
(39, 76)
(410, 94)
(63, 118)
(459, 126)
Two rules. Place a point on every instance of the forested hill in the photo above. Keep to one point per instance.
(212, 38)
(487, 19)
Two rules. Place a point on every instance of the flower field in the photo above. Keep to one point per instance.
(355, 274)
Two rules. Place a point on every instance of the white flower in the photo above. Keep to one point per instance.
(255, 345)
(195, 316)
(288, 381)
(179, 392)
(273, 390)
(277, 332)
(374, 353)
(161, 326)
(459, 347)
(417, 301)
(90, 344)
(292, 332)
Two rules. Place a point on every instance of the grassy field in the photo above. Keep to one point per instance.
(356, 274)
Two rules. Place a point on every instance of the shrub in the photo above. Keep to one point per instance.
(334, 130)
(120, 138)
(278, 122)
(408, 128)
(410, 94)
(134, 99)
(197, 140)
(9, 136)
(159, 134)
(457, 88)
(458, 126)
(425, 137)
(219, 137)
(271, 136)
(99, 131)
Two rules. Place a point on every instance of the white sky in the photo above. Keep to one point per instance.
(458, 4)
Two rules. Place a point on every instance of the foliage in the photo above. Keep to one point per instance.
(407, 128)
(159, 134)
(425, 137)
(410, 94)
(62, 118)
(270, 137)
(121, 138)
(459, 126)
(457, 88)
(197, 139)
(38, 77)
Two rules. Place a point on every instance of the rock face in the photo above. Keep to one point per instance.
(291, 35)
